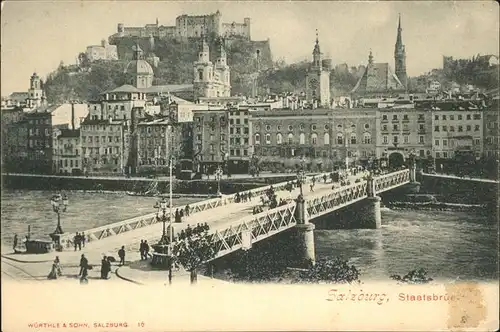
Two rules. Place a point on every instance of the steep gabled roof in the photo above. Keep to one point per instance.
(378, 77)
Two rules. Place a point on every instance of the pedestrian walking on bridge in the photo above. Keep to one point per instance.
(121, 254)
(14, 246)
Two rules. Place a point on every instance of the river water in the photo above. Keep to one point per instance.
(21, 208)
(447, 244)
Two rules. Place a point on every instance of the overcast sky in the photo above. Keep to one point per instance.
(38, 35)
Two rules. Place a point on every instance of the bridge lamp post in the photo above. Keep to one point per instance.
(347, 133)
(162, 206)
(218, 175)
(59, 204)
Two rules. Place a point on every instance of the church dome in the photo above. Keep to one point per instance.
(139, 67)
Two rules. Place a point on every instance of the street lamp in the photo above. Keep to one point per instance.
(218, 176)
(59, 204)
(301, 176)
(347, 133)
(162, 206)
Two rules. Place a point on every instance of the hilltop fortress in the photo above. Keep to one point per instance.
(189, 26)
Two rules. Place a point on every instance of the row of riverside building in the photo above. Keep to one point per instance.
(138, 127)
(142, 141)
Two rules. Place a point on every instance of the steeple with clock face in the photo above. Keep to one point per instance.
(318, 79)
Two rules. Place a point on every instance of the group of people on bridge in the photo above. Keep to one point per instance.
(79, 240)
(243, 197)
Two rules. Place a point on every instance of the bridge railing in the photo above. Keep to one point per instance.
(98, 233)
(391, 180)
(321, 203)
(252, 229)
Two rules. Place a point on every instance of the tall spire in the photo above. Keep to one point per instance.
(316, 46)
(399, 39)
(370, 57)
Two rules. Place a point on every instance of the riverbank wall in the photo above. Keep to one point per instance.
(57, 183)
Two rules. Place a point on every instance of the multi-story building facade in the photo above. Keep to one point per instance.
(102, 52)
(105, 146)
(66, 157)
(39, 149)
(491, 130)
(118, 104)
(157, 141)
(240, 146)
(456, 126)
(353, 136)
(285, 138)
(210, 138)
(401, 132)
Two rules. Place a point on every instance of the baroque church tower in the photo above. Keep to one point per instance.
(36, 95)
(400, 57)
(211, 81)
(318, 79)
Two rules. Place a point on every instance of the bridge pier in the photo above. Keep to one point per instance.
(414, 186)
(372, 213)
(306, 256)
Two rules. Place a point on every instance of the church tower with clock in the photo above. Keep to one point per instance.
(318, 79)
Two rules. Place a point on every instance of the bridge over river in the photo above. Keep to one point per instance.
(233, 225)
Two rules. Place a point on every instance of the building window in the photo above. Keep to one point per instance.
(445, 154)
(301, 126)
(406, 139)
(268, 127)
(395, 117)
(314, 139)
(436, 142)
(445, 142)
(290, 138)
(385, 139)
(313, 127)
(353, 138)
(421, 152)
(326, 139)
(468, 117)
(452, 117)
(452, 128)
(340, 139)
(477, 116)
(302, 138)
(384, 117)
(367, 126)
(421, 139)
(444, 117)
(445, 128)
(436, 117)
(477, 141)
(384, 128)
(257, 139)
(436, 128)
(290, 127)
(421, 127)
(245, 152)
(420, 117)
(327, 127)
(438, 155)
(268, 138)
(476, 128)
(395, 139)
(279, 138)
(468, 128)
(460, 117)
(367, 139)
(395, 127)
(460, 128)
